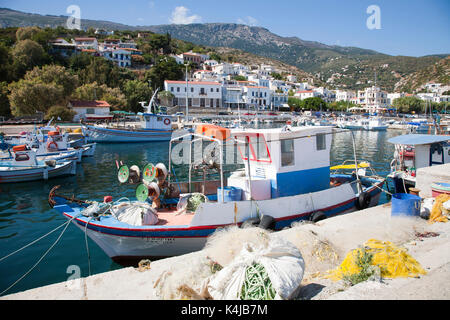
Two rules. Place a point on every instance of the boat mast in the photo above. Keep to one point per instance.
(149, 108)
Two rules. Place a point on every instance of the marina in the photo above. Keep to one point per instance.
(25, 206)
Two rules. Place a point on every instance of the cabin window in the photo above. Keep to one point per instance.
(259, 146)
(287, 152)
(159, 119)
(22, 157)
(321, 141)
(90, 111)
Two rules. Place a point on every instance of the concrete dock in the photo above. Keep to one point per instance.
(323, 246)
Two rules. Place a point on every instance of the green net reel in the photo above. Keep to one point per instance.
(149, 173)
(142, 192)
(123, 174)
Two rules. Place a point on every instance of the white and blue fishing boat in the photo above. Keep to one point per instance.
(151, 127)
(286, 178)
(25, 166)
(415, 151)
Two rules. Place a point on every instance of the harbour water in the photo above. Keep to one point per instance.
(25, 214)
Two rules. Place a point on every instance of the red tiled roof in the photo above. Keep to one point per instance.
(89, 104)
(85, 39)
(305, 91)
(193, 82)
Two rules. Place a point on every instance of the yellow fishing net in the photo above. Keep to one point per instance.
(392, 261)
(438, 212)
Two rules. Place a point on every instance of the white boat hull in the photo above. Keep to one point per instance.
(99, 134)
(17, 174)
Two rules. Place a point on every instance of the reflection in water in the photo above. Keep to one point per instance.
(25, 214)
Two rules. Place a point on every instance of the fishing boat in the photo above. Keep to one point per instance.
(151, 127)
(25, 166)
(285, 178)
(414, 151)
(374, 124)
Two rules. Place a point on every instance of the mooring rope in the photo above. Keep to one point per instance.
(42, 257)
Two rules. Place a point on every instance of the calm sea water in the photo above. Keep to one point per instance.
(25, 214)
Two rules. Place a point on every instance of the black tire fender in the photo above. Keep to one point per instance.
(317, 216)
(363, 201)
(267, 223)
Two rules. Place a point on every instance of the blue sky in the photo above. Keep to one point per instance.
(408, 27)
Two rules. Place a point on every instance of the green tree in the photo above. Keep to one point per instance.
(408, 104)
(29, 96)
(5, 109)
(26, 55)
(5, 63)
(26, 33)
(136, 91)
(165, 68)
(62, 112)
(54, 74)
(94, 91)
(314, 103)
(166, 98)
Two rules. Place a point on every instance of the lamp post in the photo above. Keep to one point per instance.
(187, 90)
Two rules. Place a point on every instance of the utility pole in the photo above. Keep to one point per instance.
(187, 99)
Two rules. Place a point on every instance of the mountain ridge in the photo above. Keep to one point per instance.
(340, 67)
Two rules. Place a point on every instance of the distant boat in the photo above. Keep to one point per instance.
(374, 124)
(152, 127)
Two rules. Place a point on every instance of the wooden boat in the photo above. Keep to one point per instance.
(26, 167)
(286, 178)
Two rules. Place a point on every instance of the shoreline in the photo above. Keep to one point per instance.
(427, 243)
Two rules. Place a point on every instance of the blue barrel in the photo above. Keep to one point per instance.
(404, 204)
(229, 194)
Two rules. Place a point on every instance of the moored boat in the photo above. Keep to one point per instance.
(286, 178)
(26, 167)
(414, 151)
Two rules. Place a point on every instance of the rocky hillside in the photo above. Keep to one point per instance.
(438, 72)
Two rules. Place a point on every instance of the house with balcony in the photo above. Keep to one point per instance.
(200, 94)
(86, 43)
(373, 99)
(121, 57)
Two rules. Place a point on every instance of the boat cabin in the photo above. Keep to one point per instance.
(283, 162)
(420, 150)
(155, 121)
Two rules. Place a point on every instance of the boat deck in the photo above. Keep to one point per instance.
(168, 217)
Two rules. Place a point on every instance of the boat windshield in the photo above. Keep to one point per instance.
(259, 151)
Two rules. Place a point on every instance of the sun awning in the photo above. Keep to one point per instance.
(418, 139)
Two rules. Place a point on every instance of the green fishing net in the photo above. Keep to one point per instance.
(257, 284)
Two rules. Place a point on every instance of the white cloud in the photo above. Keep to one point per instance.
(180, 16)
(248, 21)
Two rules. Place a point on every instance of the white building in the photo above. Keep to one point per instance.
(372, 99)
(257, 96)
(344, 95)
(204, 75)
(392, 96)
(86, 43)
(326, 95)
(233, 96)
(121, 57)
(291, 78)
(304, 94)
(223, 69)
(204, 94)
(95, 110)
(279, 100)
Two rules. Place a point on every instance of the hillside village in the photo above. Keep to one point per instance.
(205, 80)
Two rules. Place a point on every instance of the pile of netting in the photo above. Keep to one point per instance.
(390, 260)
(439, 212)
